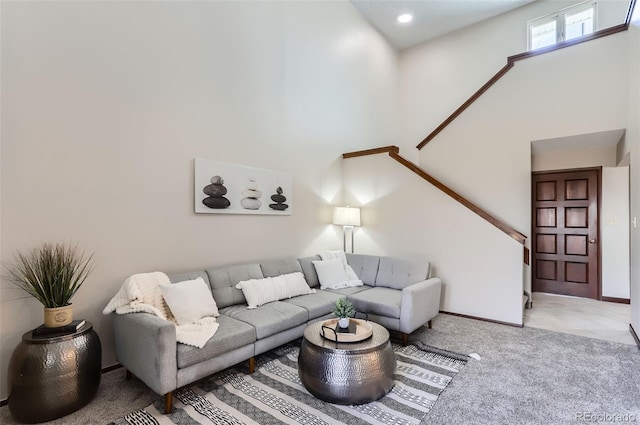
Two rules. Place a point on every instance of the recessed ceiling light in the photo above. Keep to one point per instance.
(405, 18)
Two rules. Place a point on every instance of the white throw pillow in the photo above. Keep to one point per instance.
(189, 300)
(296, 284)
(261, 291)
(331, 273)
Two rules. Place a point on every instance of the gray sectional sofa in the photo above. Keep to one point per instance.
(398, 294)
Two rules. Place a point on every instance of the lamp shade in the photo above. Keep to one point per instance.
(346, 216)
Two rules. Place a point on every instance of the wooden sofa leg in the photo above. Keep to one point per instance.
(252, 364)
(405, 339)
(429, 324)
(129, 375)
(168, 402)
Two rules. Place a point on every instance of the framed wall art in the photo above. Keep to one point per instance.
(223, 188)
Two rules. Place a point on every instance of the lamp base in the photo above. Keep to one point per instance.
(344, 238)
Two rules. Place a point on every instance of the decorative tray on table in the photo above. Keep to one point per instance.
(359, 330)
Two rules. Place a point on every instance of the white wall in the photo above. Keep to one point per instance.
(614, 232)
(439, 76)
(481, 268)
(105, 105)
(491, 140)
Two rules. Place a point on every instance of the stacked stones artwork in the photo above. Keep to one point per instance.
(279, 200)
(216, 192)
(252, 195)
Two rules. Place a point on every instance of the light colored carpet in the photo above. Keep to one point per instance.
(525, 376)
(533, 376)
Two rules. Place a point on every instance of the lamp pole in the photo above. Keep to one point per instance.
(344, 237)
(348, 218)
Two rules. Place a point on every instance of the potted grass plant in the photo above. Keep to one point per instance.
(52, 274)
(343, 310)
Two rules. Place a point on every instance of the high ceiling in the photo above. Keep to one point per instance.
(431, 18)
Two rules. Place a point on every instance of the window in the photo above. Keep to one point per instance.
(564, 25)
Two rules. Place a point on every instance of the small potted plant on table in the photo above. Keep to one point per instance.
(343, 310)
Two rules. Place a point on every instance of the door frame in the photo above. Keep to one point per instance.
(598, 170)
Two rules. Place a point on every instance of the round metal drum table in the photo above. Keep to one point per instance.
(54, 375)
(346, 372)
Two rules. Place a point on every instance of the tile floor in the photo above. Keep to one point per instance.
(580, 316)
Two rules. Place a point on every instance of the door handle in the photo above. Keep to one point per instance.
(592, 241)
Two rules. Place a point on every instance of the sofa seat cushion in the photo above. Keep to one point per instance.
(381, 301)
(268, 319)
(318, 304)
(231, 334)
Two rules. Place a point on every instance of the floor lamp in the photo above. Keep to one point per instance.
(346, 217)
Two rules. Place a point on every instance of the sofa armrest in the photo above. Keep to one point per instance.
(420, 303)
(146, 346)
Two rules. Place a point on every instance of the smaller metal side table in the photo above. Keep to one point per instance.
(347, 372)
(54, 375)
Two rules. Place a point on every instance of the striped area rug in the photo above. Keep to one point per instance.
(273, 394)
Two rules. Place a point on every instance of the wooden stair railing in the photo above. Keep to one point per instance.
(393, 152)
(511, 60)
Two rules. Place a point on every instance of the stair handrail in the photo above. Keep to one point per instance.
(511, 60)
(394, 152)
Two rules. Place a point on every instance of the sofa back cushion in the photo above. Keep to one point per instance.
(309, 270)
(365, 266)
(398, 274)
(223, 282)
(183, 276)
(279, 267)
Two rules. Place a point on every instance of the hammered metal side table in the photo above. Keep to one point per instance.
(347, 372)
(52, 376)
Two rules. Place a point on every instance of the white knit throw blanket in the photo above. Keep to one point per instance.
(352, 277)
(141, 293)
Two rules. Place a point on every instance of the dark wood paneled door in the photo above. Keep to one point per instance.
(565, 233)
